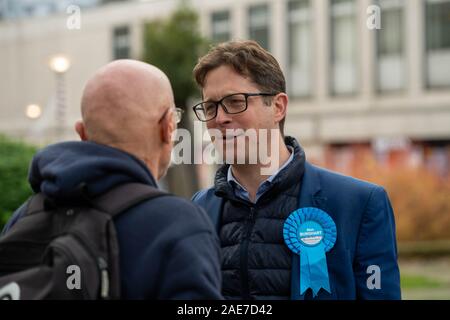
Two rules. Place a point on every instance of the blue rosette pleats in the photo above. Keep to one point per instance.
(310, 233)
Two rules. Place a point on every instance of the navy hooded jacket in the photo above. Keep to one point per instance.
(168, 246)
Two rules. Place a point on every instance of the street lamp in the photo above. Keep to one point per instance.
(59, 64)
(33, 111)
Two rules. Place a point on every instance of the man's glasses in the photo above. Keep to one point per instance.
(231, 104)
(177, 114)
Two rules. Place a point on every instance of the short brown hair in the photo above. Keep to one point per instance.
(248, 59)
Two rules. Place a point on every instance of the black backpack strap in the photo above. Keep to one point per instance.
(125, 196)
(114, 201)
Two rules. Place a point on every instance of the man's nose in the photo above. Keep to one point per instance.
(222, 117)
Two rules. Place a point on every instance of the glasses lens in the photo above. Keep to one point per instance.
(176, 116)
(199, 113)
(206, 111)
(235, 103)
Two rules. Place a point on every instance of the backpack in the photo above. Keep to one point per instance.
(67, 251)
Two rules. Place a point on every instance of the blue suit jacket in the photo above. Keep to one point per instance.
(365, 240)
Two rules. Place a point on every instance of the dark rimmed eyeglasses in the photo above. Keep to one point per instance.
(231, 104)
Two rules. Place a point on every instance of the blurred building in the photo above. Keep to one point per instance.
(353, 89)
(20, 9)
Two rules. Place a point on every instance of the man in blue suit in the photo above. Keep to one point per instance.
(244, 88)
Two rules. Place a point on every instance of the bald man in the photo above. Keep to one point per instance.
(168, 247)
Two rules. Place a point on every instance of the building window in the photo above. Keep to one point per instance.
(300, 48)
(220, 26)
(121, 43)
(437, 43)
(390, 46)
(343, 47)
(259, 25)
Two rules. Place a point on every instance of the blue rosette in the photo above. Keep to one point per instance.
(310, 233)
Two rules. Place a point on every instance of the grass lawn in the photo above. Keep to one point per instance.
(424, 279)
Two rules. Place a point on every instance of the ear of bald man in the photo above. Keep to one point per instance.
(79, 128)
(167, 127)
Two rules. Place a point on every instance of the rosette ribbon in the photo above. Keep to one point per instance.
(310, 233)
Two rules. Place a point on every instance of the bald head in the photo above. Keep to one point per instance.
(123, 100)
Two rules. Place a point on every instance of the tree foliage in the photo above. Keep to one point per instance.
(174, 45)
(15, 158)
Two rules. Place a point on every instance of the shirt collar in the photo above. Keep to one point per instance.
(234, 183)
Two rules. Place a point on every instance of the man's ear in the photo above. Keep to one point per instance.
(280, 103)
(81, 130)
(167, 128)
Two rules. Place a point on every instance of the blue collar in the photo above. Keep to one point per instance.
(242, 193)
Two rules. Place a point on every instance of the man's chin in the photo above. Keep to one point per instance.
(234, 156)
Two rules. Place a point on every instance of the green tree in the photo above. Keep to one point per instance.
(15, 158)
(174, 45)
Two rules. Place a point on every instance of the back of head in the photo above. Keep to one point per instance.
(122, 103)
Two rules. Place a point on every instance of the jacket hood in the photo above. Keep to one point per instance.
(70, 170)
